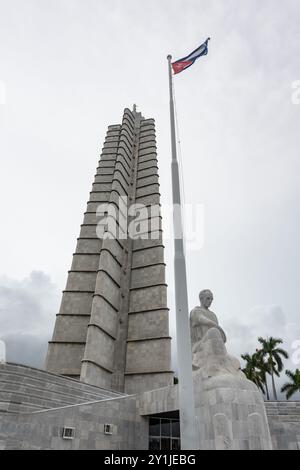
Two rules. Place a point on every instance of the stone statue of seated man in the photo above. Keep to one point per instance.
(229, 408)
(208, 341)
(202, 319)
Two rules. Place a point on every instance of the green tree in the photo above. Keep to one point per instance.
(253, 372)
(272, 354)
(294, 386)
(264, 368)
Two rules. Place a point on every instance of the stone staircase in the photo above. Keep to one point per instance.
(283, 409)
(25, 389)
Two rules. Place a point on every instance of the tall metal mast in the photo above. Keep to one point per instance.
(186, 393)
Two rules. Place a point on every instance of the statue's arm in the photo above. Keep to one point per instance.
(203, 320)
(197, 318)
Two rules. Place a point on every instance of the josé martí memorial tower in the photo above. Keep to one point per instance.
(113, 326)
(108, 382)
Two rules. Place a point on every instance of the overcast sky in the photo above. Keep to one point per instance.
(69, 67)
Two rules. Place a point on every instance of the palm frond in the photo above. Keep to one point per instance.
(275, 341)
(283, 353)
(278, 361)
(286, 387)
(291, 392)
(294, 386)
(290, 374)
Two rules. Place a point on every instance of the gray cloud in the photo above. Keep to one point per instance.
(27, 314)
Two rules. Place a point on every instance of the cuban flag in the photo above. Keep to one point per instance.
(187, 61)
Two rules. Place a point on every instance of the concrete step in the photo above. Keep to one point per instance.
(19, 397)
(11, 407)
(40, 386)
(283, 408)
(54, 380)
(26, 389)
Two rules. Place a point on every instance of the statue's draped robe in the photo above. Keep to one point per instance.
(228, 405)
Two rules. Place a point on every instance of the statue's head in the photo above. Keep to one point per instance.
(206, 297)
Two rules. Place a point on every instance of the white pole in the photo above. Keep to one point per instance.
(188, 433)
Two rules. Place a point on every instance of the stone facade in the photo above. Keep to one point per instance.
(35, 407)
(284, 423)
(112, 330)
(88, 410)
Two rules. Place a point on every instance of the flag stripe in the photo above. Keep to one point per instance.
(182, 64)
(197, 52)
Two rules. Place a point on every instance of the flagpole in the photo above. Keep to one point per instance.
(188, 432)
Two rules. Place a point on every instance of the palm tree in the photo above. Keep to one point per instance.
(273, 356)
(264, 368)
(294, 386)
(252, 371)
